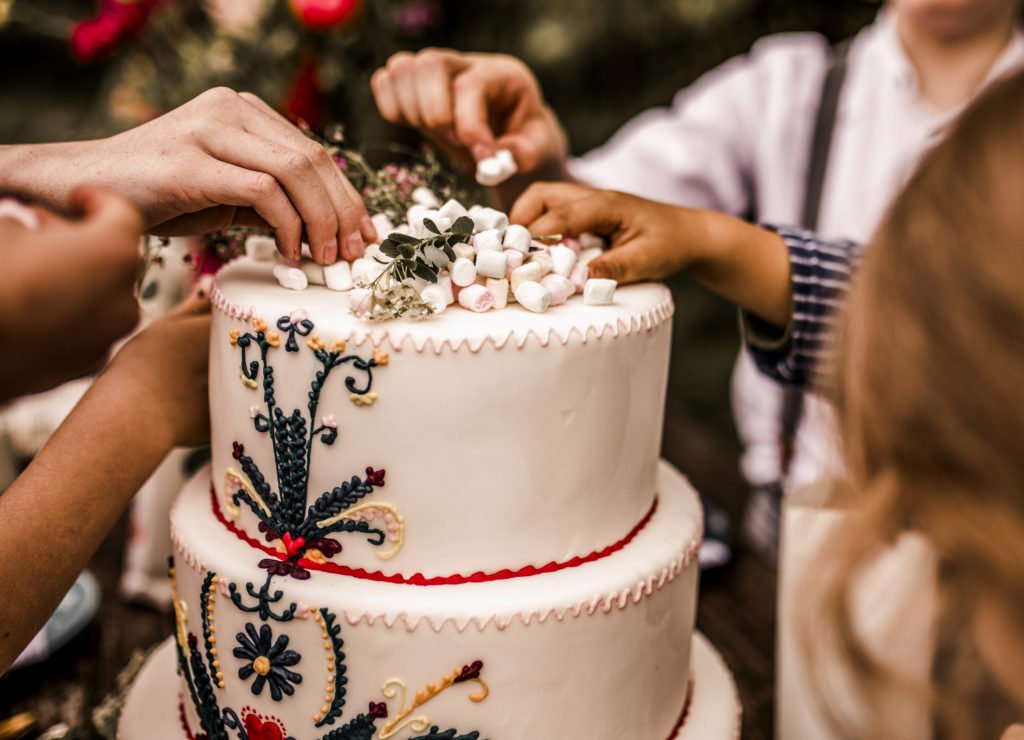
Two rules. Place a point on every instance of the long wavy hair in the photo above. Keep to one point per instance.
(929, 388)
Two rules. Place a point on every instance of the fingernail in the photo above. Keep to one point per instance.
(294, 262)
(369, 230)
(480, 151)
(331, 251)
(355, 244)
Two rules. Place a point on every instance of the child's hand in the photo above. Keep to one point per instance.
(67, 291)
(744, 264)
(165, 368)
(470, 105)
(649, 241)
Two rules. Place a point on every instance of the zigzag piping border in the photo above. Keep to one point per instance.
(604, 603)
(646, 321)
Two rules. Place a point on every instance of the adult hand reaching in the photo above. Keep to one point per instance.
(470, 105)
(222, 159)
(745, 264)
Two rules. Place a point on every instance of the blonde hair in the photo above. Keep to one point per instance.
(930, 396)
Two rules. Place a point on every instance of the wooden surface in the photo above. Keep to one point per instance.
(736, 611)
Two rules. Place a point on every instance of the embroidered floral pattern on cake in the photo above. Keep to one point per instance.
(396, 687)
(435, 734)
(207, 601)
(363, 727)
(334, 696)
(262, 727)
(264, 599)
(285, 521)
(268, 659)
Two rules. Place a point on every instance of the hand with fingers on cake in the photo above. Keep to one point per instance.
(222, 159)
(746, 264)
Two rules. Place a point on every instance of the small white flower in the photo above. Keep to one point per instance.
(254, 412)
(298, 315)
(329, 421)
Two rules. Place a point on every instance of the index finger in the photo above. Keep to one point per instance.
(595, 213)
(542, 197)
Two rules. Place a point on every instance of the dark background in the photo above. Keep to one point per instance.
(599, 64)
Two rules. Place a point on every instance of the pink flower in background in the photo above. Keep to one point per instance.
(418, 17)
(115, 22)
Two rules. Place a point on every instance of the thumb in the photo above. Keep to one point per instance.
(618, 264)
(524, 151)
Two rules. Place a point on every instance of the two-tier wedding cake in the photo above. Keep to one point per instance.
(447, 529)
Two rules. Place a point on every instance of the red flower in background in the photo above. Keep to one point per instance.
(324, 14)
(306, 102)
(116, 21)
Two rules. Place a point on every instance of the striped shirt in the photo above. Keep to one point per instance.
(821, 272)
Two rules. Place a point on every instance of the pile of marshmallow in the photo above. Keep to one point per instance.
(500, 263)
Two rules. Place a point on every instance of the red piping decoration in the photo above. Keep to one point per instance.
(418, 579)
(685, 713)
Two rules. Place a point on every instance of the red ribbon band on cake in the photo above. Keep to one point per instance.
(419, 579)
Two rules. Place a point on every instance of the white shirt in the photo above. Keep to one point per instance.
(738, 141)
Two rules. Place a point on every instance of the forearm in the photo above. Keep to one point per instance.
(46, 173)
(747, 265)
(60, 509)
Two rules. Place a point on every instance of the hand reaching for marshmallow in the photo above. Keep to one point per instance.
(473, 107)
(222, 159)
(745, 264)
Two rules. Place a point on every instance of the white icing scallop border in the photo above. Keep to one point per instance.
(645, 321)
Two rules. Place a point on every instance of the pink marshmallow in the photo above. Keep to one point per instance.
(476, 298)
(559, 287)
(515, 259)
(578, 276)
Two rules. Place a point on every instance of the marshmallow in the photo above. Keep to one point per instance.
(464, 250)
(314, 272)
(533, 296)
(463, 272)
(572, 243)
(372, 252)
(487, 240)
(22, 214)
(497, 168)
(382, 224)
(491, 264)
(338, 276)
(578, 276)
(590, 240)
(445, 282)
(559, 287)
(360, 300)
(515, 259)
(563, 259)
(453, 210)
(476, 298)
(435, 297)
(365, 271)
(599, 292)
(425, 197)
(403, 229)
(487, 218)
(415, 214)
(529, 272)
(589, 255)
(291, 277)
(544, 260)
(419, 228)
(260, 248)
(517, 237)
(499, 289)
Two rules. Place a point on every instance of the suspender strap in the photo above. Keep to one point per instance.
(821, 148)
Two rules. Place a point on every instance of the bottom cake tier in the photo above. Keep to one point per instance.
(598, 651)
(153, 710)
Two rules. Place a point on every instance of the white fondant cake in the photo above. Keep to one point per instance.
(455, 529)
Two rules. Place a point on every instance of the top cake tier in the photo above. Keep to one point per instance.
(463, 447)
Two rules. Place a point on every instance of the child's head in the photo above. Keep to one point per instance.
(931, 391)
